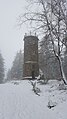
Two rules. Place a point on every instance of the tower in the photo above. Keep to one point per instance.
(31, 66)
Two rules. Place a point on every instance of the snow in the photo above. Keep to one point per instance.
(18, 101)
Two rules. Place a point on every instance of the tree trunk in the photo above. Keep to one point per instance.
(61, 70)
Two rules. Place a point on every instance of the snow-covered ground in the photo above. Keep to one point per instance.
(18, 101)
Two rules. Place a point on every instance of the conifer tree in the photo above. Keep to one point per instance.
(17, 68)
(47, 61)
(1, 68)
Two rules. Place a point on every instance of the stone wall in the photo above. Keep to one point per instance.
(31, 56)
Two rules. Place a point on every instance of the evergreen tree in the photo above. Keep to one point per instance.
(47, 60)
(9, 75)
(17, 68)
(1, 68)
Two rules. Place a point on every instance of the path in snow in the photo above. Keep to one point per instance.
(20, 102)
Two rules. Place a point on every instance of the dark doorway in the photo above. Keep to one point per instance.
(33, 76)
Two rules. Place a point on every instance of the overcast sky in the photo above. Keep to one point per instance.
(11, 37)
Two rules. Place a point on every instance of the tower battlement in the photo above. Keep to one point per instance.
(30, 34)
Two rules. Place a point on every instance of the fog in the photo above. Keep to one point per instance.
(11, 37)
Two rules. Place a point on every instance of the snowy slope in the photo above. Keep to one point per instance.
(18, 101)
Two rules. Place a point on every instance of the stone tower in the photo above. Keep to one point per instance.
(31, 66)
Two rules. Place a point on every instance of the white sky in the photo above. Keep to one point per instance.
(11, 37)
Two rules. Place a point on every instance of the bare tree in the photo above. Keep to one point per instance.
(59, 32)
(49, 18)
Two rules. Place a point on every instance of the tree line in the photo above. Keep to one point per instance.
(48, 64)
(15, 72)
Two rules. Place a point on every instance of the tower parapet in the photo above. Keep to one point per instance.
(30, 34)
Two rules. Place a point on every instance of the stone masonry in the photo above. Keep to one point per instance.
(31, 65)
